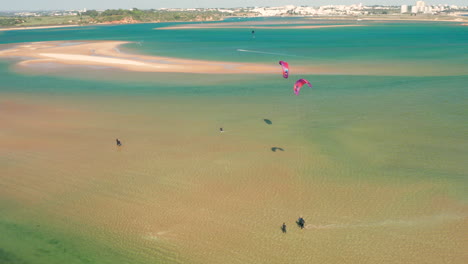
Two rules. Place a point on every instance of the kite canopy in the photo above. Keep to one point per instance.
(285, 67)
(298, 85)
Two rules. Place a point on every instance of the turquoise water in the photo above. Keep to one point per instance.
(443, 43)
(402, 130)
(436, 101)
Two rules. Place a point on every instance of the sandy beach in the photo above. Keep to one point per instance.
(106, 53)
(39, 27)
(256, 26)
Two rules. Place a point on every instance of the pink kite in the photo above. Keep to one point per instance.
(285, 67)
(298, 85)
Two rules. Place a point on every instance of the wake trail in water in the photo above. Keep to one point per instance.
(425, 220)
(270, 53)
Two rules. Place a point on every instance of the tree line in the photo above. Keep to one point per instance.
(151, 15)
(134, 15)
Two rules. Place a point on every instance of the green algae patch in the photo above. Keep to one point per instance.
(9, 257)
(33, 243)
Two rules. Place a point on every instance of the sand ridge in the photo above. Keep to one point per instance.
(254, 26)
(39, 27)
(106, 53)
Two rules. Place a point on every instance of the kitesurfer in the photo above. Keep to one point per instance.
(221, 129)
(118, 142)
(301, 222)
(298, 85)
(285, 68)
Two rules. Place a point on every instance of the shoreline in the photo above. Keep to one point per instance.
(457, 19)
(203, 26)
(38, 27)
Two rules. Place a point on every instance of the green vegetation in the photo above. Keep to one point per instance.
(49, 20)
(152, 15)
(114, 16)
(8, 22)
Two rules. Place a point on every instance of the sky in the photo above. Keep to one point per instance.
(148, 4)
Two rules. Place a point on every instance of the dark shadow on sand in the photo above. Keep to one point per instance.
(274, 149)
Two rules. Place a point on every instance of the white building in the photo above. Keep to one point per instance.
(421, 6)
(414, 9)
(404, 9)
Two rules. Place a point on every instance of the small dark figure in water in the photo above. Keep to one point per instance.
(301, 222)
(221, 129)
(283, 228)
(118, 142)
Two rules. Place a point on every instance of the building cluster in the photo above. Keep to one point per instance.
(328, 10)
(355, 10)
(288, 10)
(50, 13)
(27, 14)
(422, 7)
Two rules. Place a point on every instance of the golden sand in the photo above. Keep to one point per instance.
(105, 53)
(39, 27)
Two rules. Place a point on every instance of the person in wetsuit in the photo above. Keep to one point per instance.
(301, 222)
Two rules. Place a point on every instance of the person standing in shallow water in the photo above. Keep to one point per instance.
(118, 142)
(283, 228)
(301, 222)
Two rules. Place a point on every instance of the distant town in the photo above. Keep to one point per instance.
(420, 7)
(134, 15)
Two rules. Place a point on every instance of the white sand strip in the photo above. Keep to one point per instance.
(87, 58)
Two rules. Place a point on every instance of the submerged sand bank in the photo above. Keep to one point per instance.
(178, 187)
